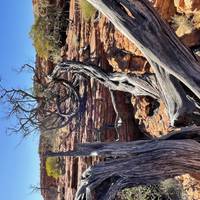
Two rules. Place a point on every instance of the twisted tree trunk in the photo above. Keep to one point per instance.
(139, 22)
(134, 163)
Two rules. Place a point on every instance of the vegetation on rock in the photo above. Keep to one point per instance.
(53, 167)
(44, 45)
(166, 190)
(186, 23)
(48, 30)
(87, 10)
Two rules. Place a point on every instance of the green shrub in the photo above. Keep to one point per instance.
(45, 44)
(166, 190)
(141, 193)
(53, 167)
(40, 42)
(48, 30)
(87, 10)
(41, 7)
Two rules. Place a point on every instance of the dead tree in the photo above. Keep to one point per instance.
(176, 81)
(171, 60)
(137, 163)
(47, 106)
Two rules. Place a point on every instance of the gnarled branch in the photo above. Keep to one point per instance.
(132, 164)
(140, 23)
(135, 85)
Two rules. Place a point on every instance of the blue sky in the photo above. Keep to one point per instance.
(19, 165)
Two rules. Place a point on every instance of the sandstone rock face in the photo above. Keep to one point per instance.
(99, 42)
(165, 8)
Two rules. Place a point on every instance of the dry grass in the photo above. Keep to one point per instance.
(182, 25)
(186, 23)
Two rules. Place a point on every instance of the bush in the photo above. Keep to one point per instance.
(40, 8)
(43, 44)
(166, 190)
(53, 167)
(142, 193)
(87, 10)
(48, 31)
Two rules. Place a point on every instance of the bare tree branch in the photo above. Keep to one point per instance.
(53, 107)
(136, 85)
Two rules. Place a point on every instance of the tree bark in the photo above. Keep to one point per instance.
(132, 164)
(103, 149)
(170, 91)
(135, 85)
(140, 23)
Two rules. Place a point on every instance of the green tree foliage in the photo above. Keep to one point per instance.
(48, 30)
(167, 190)
(53, 167)
(43, 44)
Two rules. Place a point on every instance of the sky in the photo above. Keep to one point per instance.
(19, 165)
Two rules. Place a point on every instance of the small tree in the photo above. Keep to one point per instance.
(53, 167)
(48, 30)
(47, 106)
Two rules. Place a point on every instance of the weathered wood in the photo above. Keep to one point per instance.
(178, 106)
(129, 148)
(190, 132)
(143, 26)
(135, 85)
(145, 162)
(170, 91)
(140, 23)
(136, 163)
